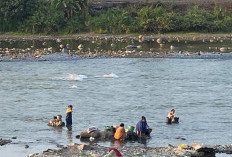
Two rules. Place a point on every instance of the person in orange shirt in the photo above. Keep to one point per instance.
(120, 133)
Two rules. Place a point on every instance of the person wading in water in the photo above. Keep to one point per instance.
(69, 116)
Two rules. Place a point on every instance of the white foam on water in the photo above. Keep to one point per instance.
(75, 77)
(73, 86)
(71, 77)
(111, 75)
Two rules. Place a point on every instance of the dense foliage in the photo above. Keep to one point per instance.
(74, 16)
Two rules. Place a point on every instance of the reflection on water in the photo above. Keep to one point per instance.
(69, 135)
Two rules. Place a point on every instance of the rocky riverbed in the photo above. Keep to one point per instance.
(95, 150)
(46, 53)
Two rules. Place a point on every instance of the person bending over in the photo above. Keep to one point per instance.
(120, 133)
(172, 115)
(142, 127)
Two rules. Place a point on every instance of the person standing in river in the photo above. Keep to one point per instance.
(69, 116)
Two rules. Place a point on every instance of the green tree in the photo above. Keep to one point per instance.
(197, 20)
(14, 12)
(166, 22)
(45, 20)
(112, 21)
(146, 18)
(71, 7)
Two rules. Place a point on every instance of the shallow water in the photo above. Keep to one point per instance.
(110, 91)
(96, 45)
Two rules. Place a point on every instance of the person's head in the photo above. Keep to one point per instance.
(143, 118)
(70, 106)
(122, 125)
(59, 117)
(54, 117)
(173, 111)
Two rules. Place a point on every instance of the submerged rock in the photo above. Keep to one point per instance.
(4, 142)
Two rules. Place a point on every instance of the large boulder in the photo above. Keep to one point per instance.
(107, 135)
(85, 134)
(207, 150)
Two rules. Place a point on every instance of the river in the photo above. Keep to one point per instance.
(111, 91)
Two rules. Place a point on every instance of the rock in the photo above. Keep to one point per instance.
(94, 155)
(181, 138)
(172, 47)
(80, 47)
(183, 146)
(83, 147)
(14, 137)
(130, 47)
(223, 49)
(33, 155)
(72, 144)
(85, 134)
(228, 151)
(112, 153)
(160, 41)
(107, 134)
(203, 148)
(61, 46)
(58, 40)
(4, 142)
(26, 146)
(59, 146)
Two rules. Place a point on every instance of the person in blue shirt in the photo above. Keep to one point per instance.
(142, 127)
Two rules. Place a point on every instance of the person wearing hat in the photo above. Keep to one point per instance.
(120, 133)
(69, 116)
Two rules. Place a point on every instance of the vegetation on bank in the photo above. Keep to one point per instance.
(78, 16)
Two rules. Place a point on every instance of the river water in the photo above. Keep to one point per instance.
(110, 91)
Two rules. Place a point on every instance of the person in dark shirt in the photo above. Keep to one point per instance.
(69, 116)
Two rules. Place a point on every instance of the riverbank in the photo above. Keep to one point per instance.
(95, 150)
(89, 36)
(65, 52)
